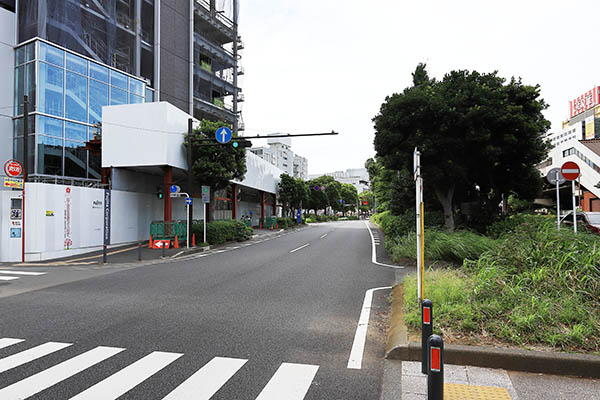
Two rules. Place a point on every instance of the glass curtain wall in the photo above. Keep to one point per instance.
(66, 96)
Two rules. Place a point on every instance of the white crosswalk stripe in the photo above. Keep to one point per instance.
(5, 342)
(208, 380)
(24, 273)
(8, 278)
(51, 376)
(29, 355)
(129, 377)
(290, 381)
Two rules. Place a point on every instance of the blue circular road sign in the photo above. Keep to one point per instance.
(223, 135)
(175, 189)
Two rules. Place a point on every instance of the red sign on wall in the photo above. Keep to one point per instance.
(584, 102)
(13, 168)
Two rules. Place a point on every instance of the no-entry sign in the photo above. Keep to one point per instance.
(570, 170)
(13, 168)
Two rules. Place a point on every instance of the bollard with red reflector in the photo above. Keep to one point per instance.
(435, 373)
(426, 330)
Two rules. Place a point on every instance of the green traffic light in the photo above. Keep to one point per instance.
(235, 144)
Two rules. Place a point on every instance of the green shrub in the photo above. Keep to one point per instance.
(399, 225)
(441, 245)
(285, 223)
(218, 232)
(509, 224)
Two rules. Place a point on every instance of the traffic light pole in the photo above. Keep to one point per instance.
(190, 212)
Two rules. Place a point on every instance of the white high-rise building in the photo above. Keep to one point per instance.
(279, 153)
(358, 177)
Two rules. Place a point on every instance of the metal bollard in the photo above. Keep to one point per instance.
(163, 249)
(435, 373)
(139, 252)
(426, 330)
(104, 254)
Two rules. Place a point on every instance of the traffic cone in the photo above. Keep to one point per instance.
(176, 245)
(150, 242)
(193, 240)
(277, 225)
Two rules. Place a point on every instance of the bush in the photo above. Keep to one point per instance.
(218, 232)
(313, 218)
(441, 245)
(399, 225)
(285, 223)
(509, 224)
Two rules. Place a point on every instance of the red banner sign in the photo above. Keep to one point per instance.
(584, 102)
(13, 168)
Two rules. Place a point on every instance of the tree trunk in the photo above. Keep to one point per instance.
(445, 199)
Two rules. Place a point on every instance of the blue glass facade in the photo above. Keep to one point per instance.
(66, 94)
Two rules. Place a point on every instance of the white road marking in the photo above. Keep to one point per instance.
(358, 347)
(5, 342)
(8, 278)
(129, 377)
(34, 353)
(300, 248)
(51, 376)
(323, 236)
(290, 382)
(203, 384)
(220, 251)
(25, 273)
(177, 254)
(374, 251)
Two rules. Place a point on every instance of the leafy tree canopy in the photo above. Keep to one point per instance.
(479, 136)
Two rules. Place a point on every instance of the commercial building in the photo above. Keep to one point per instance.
(579, 141)
(279, 153)
(110, 86)
(357, 177)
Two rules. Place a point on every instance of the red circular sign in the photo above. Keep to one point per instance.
(13, 168)
(570, 170)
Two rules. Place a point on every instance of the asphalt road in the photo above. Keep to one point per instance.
(276, 319)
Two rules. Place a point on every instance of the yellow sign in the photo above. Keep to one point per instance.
(14, 183)
(589, 127)
(49, 213)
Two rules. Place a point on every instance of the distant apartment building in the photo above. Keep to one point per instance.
(279, 153)
(358, 177)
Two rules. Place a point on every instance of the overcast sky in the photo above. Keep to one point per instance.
(321, 65)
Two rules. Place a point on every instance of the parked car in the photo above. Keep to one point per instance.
(590, 220)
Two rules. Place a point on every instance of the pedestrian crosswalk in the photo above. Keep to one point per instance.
(11, 275)
(290, 381)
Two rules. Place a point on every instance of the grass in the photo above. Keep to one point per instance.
(441, 245)
(537, 286)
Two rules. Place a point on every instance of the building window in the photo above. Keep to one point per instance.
(50, 155)
(76, 101)
(98, 98)
(117, 96)
(51, 90)
(52, 55)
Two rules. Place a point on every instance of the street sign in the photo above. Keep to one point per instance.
(322, 187)
(13, 168)
(206, 194)
(570, 170)
(188, 200)
(299, 216)
(223, 135)
(552, 176)
(341, 201)
(174, 194)
(175, 189)
(365, 203)
(14, 183)
(317, 187)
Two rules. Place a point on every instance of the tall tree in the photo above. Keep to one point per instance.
(293, 193)
(349, 196)
(475, 132)
(214, 164)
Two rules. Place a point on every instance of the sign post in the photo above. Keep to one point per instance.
(188, 203)
(555, 177)
(420, 225)
(570, 171)
(205, 200)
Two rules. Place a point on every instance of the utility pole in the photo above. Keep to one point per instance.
(25, 169)
(235, 68)
(189, 162)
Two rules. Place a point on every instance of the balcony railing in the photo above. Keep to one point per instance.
(219, 14)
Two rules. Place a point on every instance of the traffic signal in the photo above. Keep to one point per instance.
(159, 194)
(241, 143)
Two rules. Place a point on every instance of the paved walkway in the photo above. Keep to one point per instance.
(404, 380)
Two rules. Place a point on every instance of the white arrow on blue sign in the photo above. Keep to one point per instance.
(223, 135)
(175, 189)
(188, 200)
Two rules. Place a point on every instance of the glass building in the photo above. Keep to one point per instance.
(66, 92)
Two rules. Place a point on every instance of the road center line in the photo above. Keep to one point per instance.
(300, 248)
(358, 347)
(323, 236)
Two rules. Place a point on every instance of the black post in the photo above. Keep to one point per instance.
(163, 249)
(104, 254)
(426, 330)
(189, 162)
(435, 373)
(139, 252)
(25, 137)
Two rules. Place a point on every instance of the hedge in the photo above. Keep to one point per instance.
(218, 232)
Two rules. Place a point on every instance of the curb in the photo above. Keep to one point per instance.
(398, 348)
(192, 250)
